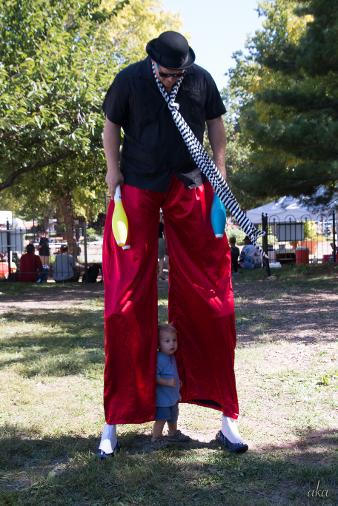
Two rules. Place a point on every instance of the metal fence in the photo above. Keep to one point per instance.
(300, 241)
(78, 259)
(287, 241)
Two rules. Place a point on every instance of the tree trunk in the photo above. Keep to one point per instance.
(66, 212)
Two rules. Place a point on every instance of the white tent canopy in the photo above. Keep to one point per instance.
(283, 210)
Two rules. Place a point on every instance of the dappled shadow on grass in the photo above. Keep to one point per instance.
(277, 286)
(34, 364)
(71, 320)
(162, 313)
(136, 442)
(25, 292)
(286, 323)
(62, 343)
(313, 447)
(297, 315)
(313, 273)
(39, 470)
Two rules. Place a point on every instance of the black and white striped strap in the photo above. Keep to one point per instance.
(206, 164)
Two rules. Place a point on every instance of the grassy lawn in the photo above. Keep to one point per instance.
(51, 366)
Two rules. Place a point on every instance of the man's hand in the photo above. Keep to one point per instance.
(171, 382)
(166, 382)
(113, 179)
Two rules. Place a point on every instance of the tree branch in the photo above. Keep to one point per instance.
(34, 166)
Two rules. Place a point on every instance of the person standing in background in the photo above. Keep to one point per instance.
(161, 249)
(234, 254)
(44, 250)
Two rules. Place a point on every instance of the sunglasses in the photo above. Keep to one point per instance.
(166, 75)
(171, 74)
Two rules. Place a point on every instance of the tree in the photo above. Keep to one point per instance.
(57, 61)
(50, 78)
(237, 151)
(288, 87)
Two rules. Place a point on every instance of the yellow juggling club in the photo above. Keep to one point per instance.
(120, 221)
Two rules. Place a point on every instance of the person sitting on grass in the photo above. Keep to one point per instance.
(64, 267)
(30, 265)
(168, 388)
(250, 257)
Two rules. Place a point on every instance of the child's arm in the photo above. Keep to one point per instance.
(166, 382)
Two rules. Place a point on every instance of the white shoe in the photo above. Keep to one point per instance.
(109, 443)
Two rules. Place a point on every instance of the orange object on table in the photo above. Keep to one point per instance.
(3, 270)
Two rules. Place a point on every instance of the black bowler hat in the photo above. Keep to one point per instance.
(171, 50)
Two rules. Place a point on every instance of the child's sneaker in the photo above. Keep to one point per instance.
(158, 443)
(178, 437)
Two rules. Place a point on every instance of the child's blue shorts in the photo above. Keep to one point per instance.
(169, 414)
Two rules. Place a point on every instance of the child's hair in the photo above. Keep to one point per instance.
(232, 240)
(166, 327)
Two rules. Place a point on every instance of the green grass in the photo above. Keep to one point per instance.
(51, 366)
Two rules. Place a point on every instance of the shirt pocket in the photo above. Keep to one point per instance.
(147, 110)
(192, 107)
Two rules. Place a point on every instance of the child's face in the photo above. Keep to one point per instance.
(168, 342)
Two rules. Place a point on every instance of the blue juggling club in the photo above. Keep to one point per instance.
(218, 216)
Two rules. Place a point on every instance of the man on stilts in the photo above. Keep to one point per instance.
(157, 170)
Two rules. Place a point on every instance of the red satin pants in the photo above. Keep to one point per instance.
(201, 305)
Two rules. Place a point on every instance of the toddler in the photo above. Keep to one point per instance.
(167, 387)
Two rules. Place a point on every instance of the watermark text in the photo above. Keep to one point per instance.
(318, 492)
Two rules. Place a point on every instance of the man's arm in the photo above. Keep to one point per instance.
(217, 138)
(111, 144)
(166, 382)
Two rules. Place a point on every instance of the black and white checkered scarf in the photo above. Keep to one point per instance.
(206, 164)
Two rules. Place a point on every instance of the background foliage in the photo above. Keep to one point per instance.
(286, 92)
(57, 60)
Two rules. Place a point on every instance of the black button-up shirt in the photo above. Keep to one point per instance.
(153, 149)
